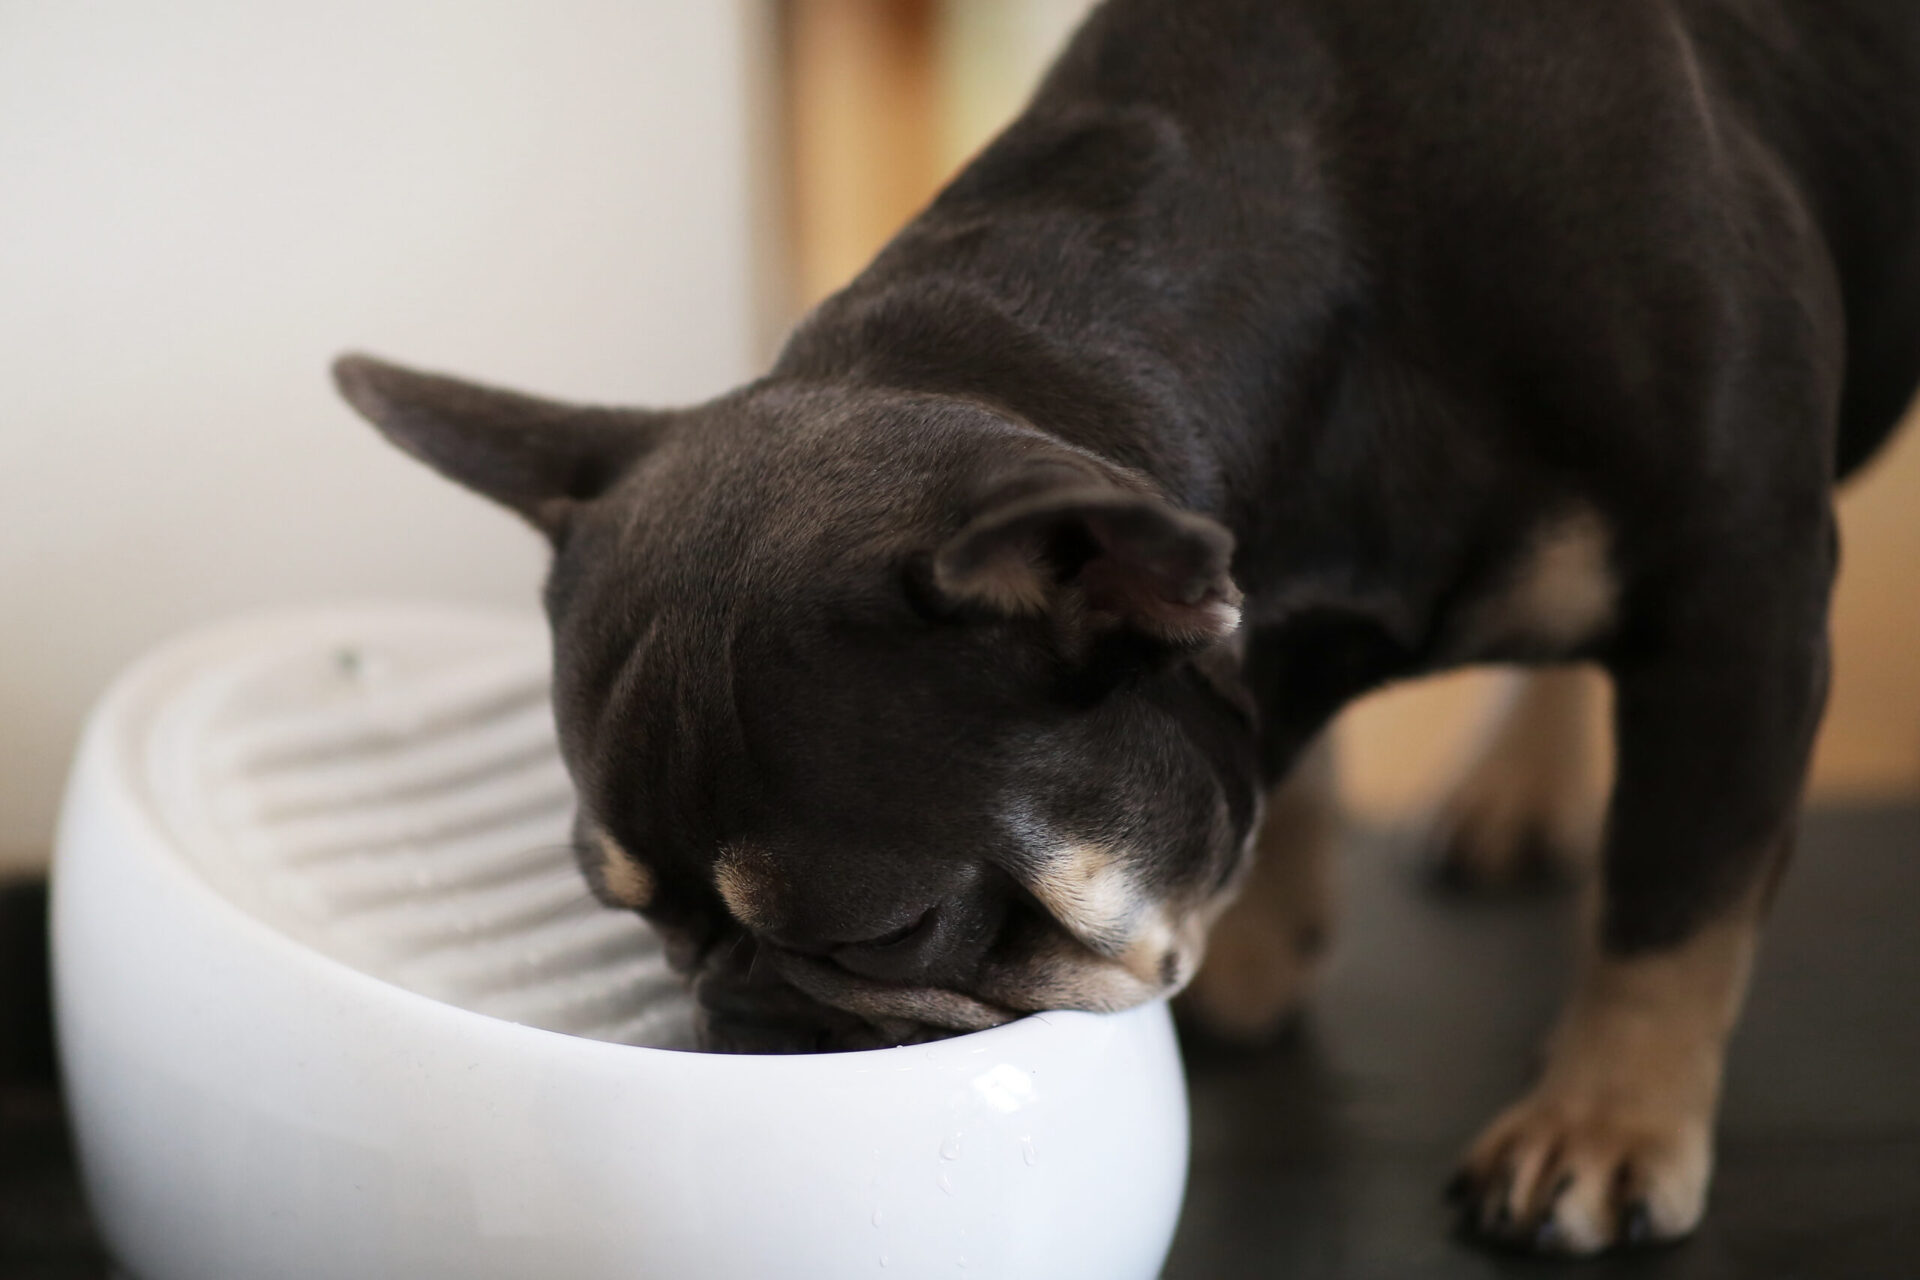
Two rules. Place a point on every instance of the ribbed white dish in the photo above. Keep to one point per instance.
(334, 1003)
(397, 802)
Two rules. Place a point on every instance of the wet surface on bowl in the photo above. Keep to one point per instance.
(1324, 1157)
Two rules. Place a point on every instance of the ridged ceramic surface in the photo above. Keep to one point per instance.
(397, 801)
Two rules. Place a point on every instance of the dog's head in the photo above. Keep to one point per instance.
(896, 717)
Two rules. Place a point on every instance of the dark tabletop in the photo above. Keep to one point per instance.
(1324, 1156)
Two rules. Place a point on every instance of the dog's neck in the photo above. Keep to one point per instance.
(1142, 286)
(1096, 273)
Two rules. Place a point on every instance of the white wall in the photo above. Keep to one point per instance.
(201, 202)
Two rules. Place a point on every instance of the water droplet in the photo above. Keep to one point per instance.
(950, 1149)
(1027, 1151)
(883, 1259)
(877, 1216)
(961, 1263)
(943, 1184)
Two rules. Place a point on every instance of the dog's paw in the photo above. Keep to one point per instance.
(1526, 808)
(1265, 950)
(1515, 821)
(1497, 837)
(1255, 978)
(1561, 1173)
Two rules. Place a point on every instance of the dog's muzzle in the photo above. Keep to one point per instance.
(745, 1005)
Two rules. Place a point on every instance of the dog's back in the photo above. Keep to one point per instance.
(1834, 88)
(1498, 186)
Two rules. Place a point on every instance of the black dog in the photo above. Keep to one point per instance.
(1281, 348)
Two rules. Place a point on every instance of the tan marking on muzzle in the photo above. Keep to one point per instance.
(1092, 895)
(744, 887)
(624, 881)
(1067, 976)
(1166, 948)
(1155, 957)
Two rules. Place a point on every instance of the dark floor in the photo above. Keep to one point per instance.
(44, 1233)
(1325, 1158)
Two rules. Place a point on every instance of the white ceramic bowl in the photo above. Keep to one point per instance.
(331, 1005)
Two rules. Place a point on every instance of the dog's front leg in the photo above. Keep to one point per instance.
(1265, 949)
(1614, 1143)
(1528, 803)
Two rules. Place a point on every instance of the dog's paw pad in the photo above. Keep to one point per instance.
(1548, 1179)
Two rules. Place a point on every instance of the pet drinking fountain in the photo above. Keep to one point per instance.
(334, 1002)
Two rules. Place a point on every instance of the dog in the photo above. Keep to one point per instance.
(973, 660)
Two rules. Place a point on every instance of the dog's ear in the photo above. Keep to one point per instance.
(1098, 558)
(539, 457)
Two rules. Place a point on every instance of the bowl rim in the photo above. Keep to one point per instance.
(110, 746)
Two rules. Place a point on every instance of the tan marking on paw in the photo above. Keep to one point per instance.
(1614, 1144)
(1266, 948)
(623, 880)
(1533, 792)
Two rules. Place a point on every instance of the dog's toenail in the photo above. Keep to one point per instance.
(1637, 1225)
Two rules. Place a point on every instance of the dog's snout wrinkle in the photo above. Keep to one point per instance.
(925, 1006)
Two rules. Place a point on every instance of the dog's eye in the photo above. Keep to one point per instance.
(894, 937)
(893, 956)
